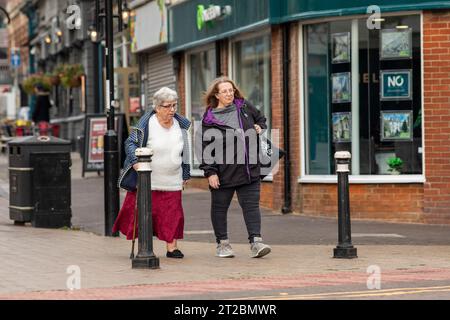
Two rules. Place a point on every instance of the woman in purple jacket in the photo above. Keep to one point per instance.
(230, 130)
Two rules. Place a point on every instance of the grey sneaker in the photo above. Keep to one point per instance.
(224, 249)
(259, 249)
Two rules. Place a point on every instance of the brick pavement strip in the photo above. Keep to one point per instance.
(218, 286)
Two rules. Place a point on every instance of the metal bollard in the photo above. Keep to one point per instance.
(344, 249)
(145, 258)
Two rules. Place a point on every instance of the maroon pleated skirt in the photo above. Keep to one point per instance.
(167, 213)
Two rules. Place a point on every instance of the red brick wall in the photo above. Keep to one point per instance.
(436, 48)
(294, 114)
(393, 202)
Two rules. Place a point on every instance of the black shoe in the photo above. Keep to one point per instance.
(177, 254)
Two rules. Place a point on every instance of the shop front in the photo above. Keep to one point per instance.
(230, 38)
(371, 80)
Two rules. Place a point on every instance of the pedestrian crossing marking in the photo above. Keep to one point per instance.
(199, 232)
(377, 235)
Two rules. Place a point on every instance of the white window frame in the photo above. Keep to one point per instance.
(187, 81)
(354, 179)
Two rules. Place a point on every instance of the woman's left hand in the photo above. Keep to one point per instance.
(185, 182)
(258, 129)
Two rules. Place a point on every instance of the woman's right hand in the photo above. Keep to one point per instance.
(214, 181)
(136, 166)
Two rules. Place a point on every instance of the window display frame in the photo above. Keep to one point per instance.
(341, 115)
(396, 112)
(383, 55)
(334, 60)
(347, 76)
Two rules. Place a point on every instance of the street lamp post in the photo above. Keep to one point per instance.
(111, 151)
(111, 145)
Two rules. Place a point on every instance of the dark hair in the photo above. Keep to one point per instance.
(210, 98)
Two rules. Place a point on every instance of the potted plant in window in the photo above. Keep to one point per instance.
(395, 165)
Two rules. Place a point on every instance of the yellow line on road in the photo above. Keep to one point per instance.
(354, 294)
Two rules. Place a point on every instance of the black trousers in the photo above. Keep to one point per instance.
(248, 196)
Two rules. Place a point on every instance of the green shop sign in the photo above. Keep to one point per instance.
(196, 22)
(193, 23)
(207, 16)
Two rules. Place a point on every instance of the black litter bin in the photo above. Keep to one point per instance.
(40, 181)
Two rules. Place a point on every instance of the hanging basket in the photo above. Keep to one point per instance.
(75, 82)
(36, 79)
(71, 75)
(55, 80)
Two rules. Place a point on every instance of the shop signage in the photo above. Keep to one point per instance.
(95, 128)
(73, 21)
(396, 85)
(148, 27)
(211, 14)
(15, 58)
(197, 22)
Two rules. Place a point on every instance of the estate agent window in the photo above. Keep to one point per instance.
(380, 121)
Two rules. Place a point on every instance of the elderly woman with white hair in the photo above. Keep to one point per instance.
(165, 132)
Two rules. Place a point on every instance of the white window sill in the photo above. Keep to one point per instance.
(365, 179)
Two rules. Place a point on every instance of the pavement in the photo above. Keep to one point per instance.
(80, 263)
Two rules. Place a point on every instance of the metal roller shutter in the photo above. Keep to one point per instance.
(159, 69)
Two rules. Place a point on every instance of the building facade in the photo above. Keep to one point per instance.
(371, 80)
(57, 38)
(149, 44)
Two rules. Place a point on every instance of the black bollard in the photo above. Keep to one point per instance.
(145, 258)
(344, 249)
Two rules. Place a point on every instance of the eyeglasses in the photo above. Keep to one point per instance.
(229, 91)
(173, 106)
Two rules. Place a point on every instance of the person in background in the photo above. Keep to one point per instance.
(41, 113)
